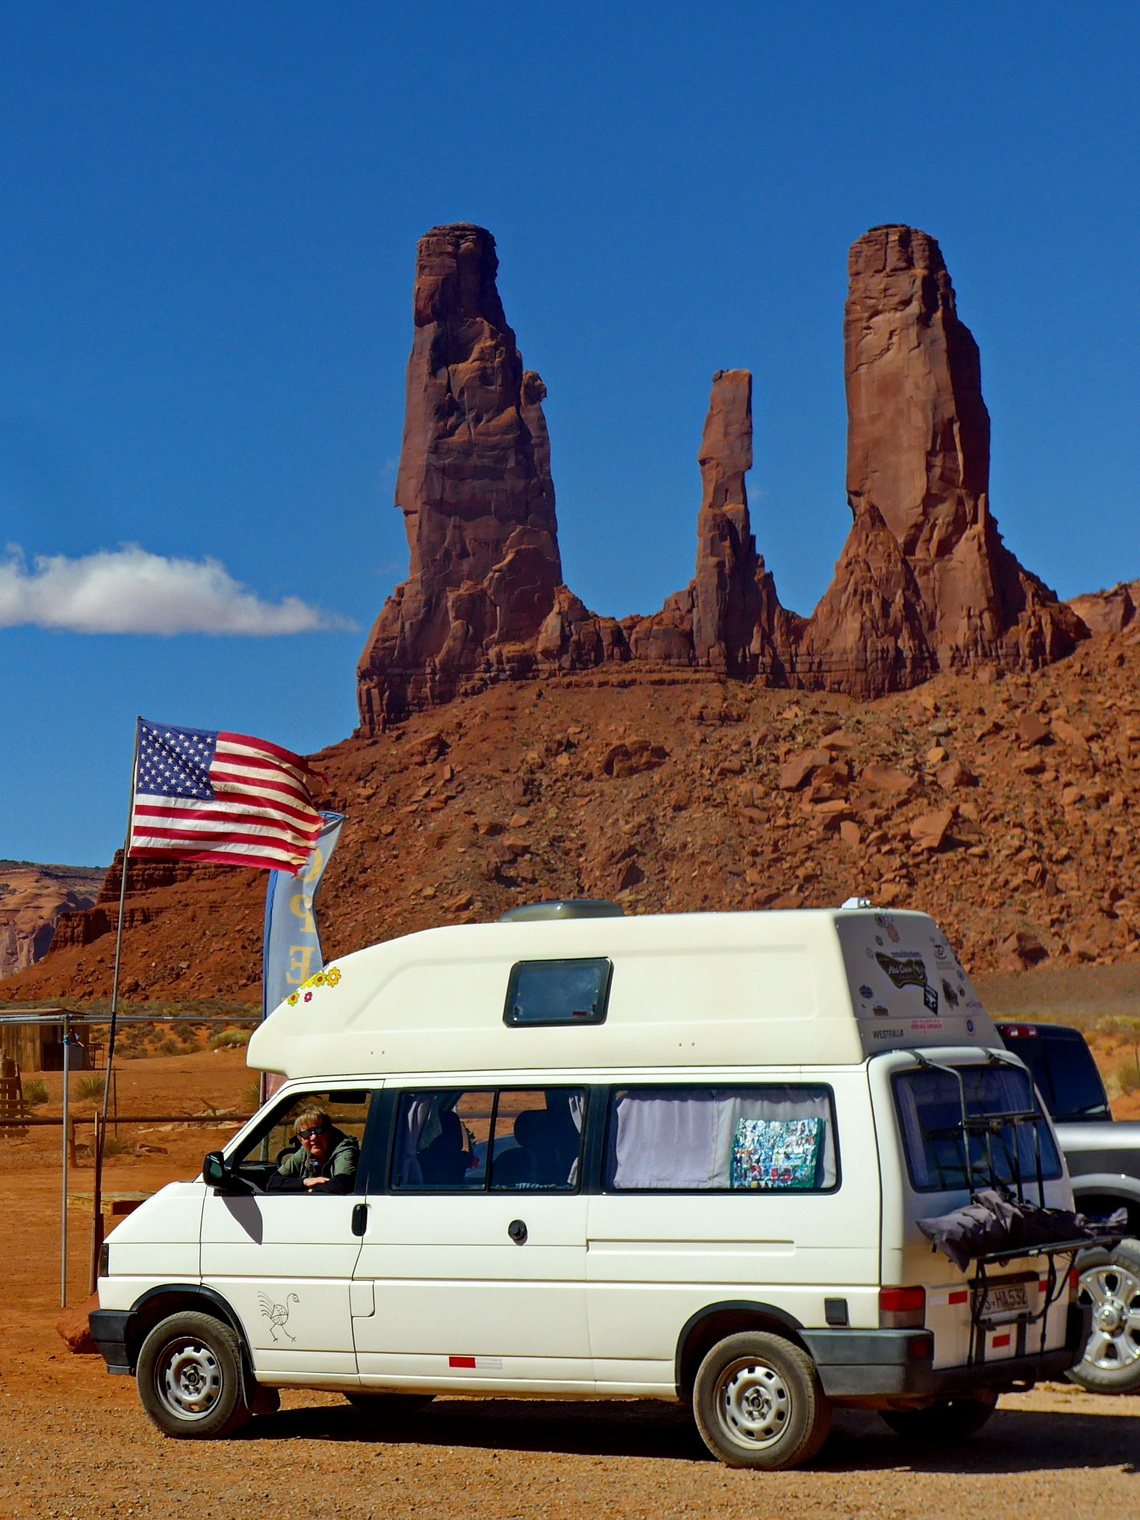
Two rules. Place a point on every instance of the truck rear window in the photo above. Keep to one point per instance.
(929, 1107)
(1064, 1070)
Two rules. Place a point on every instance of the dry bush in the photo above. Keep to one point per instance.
(34, 1093)
(1127, 1072)
(90, 1087)
(226, 1039)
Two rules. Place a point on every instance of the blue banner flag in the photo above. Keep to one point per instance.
(292, 952)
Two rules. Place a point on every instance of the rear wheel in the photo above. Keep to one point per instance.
(758, 1402)
(1110, 1285)
(191, 1379)
(947, 1420)
(382, 1403)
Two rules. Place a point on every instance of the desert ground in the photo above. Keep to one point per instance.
(76, 1442)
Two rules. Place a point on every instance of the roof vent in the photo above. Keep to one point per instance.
(856, 902)
(581, 907)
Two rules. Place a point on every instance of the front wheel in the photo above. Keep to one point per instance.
(758, 1402)
(945, 1420)
(1110, 1285)
(191, 1378)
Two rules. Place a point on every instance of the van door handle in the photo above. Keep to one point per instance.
(359, 1218)
(517, 1231)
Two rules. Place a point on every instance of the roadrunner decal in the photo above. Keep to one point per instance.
(278, 1314)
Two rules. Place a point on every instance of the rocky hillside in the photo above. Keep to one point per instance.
(1004, 805)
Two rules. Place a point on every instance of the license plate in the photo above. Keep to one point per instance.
(1005, 1300)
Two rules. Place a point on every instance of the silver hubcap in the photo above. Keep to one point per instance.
(1114, 1294)
(754, 1403)
(189, 1378)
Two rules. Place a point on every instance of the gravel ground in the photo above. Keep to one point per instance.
(76, 1442)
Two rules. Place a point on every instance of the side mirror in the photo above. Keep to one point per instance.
(215, 1172)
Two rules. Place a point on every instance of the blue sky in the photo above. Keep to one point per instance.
(207, 239)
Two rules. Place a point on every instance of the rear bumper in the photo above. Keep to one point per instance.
(899, 1363)
(109, 1332)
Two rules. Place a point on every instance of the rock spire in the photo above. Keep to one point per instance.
(475, 489)
(918, 452)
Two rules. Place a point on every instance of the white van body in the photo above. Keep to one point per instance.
(802, 1031)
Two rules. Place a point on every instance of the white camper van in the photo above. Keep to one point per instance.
(676, 1157)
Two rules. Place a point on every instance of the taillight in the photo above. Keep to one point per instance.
(902, 1308)
(1074, 1281)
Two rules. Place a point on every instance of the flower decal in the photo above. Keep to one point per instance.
(329, 978)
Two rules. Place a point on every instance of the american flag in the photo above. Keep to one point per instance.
(223, 797)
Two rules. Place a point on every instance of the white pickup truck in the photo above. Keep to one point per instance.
(1103, 1157)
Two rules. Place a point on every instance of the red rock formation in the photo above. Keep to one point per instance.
(918, 450)
(924, 584)
(475, 489)
(34, 901)
(729, 619)
(1108, 611)
(867, 635)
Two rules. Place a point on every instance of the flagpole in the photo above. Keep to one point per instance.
(108, 1074)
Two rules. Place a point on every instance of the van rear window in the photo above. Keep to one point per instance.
(929, 1107)
(558, 992)
(776, 1139)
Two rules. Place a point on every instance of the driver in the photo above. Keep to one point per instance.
(325, 1162)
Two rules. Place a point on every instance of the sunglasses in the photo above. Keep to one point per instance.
(310, 1134)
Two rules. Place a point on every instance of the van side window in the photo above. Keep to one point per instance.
(507, 1140)
(538, 1140)
(274, 1139)
(558, 992)
(774, 1139)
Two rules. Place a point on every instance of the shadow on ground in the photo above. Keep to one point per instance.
(1013, 1441)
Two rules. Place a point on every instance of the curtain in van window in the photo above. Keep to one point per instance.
(577, 1110)
(421, 1126)
(684, 1139)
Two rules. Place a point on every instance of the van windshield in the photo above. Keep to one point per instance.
(929, 1106)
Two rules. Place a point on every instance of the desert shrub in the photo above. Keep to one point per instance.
(251, 1097)
(168, 1047)
(226, 1039)
(35, 1093)
(117, 1145)
(90, 1087)
(1127, 1072)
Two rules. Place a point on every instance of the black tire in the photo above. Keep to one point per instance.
(382, 1403)
(946, 1420)
(191, 1378)
(1110, 1284)
(758, 1402)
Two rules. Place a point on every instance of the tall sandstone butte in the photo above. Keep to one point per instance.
(918, 454)
(475, 489)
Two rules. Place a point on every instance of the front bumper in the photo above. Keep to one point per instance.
(109, 1332)
(862, 1364)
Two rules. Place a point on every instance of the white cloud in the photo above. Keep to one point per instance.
(129, 590)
